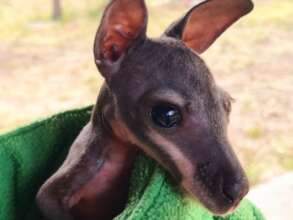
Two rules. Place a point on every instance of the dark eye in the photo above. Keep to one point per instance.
(166, 116)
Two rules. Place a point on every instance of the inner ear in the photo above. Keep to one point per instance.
(204, 23)
(123, 22)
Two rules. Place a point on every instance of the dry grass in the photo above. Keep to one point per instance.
(46, 67)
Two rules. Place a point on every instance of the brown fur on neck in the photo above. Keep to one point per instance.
(105, 195)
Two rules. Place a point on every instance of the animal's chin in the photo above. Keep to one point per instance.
(216, 204)
(221, 210)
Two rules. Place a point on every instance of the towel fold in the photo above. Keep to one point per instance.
(29, 155)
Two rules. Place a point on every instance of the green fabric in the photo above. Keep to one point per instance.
(29, 155)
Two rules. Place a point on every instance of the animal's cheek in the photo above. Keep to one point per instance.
(122, 132)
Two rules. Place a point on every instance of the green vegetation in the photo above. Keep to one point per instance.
(47, 66)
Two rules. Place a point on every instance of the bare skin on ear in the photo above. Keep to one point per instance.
(122, 23)
(204, 23)
(159, 98)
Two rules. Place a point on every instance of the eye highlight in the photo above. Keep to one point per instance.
(166, 116)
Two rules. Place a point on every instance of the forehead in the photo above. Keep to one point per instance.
(164, 63)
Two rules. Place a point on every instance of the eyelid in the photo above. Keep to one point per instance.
(169, 96)
(166, 103)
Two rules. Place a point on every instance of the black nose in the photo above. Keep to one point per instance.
(234, 189)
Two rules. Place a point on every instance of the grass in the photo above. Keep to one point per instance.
(47, 66)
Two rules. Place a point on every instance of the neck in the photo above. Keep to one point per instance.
(108, 189)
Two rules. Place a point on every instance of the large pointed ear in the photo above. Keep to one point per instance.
(123, 23)
(204, 23)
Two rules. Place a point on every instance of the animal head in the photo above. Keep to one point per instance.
(165, 100)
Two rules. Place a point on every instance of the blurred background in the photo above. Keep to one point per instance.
(47, 66)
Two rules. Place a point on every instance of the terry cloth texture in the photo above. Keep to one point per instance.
(29, 155)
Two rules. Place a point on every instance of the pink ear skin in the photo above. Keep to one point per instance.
(208, 20)
(123, 22)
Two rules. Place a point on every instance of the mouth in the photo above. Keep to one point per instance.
(215, 197)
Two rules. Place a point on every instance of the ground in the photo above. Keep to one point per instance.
(47, 67)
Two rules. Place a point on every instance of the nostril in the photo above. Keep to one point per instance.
(230, 195)
(233, 192)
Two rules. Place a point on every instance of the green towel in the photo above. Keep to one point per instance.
(29, 155)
